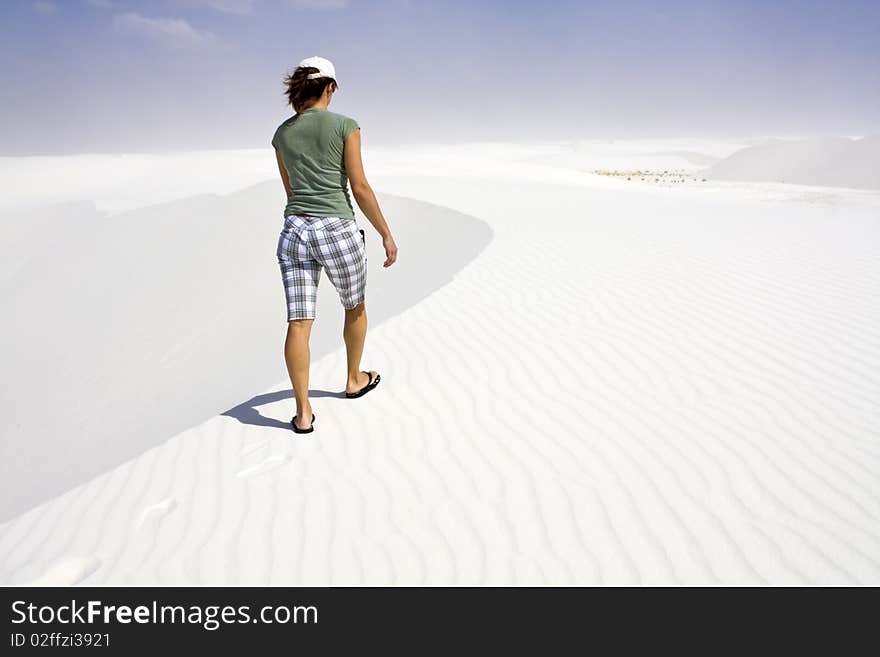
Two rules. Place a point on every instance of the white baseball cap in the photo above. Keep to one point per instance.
(325, 68)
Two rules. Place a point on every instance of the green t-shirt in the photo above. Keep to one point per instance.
(310, 144)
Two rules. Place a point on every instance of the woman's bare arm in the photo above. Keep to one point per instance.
(364, 195)
(283, 171)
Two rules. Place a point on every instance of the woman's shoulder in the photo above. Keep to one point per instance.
(290, 120)
(341, 118)
(345, 124)
(342, 124)
(284, 124)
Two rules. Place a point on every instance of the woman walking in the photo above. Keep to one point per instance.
(319, 154)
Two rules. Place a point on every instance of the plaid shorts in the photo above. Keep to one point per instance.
(308, 244)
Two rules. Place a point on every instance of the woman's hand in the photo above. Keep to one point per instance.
(390, 250)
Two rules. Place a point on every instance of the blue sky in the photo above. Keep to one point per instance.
(133, 75)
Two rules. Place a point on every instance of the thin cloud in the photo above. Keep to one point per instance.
(45, 7)
(237, 7)
(319, 4)
(102, 4)
(168, 32)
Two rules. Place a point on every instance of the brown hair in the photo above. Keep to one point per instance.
(300, 88)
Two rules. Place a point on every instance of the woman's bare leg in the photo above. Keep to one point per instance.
(355, 332)
(296, 355)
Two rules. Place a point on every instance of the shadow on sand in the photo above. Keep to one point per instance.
(437, 243)
(248, 413)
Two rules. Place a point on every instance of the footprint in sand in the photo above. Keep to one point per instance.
(67, 571)
(157, 511)
(247, 450)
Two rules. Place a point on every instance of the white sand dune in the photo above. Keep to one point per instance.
(628, 385)
(829, 162)
(126, 329)
(116, 183)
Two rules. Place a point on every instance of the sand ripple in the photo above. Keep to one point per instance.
(632, 392)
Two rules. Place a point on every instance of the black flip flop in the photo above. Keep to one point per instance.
(296, 429)
(371, 383)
